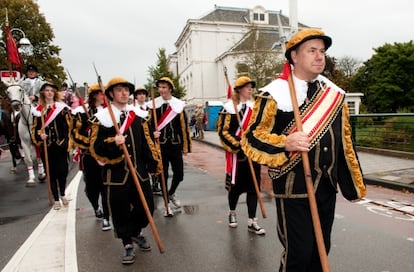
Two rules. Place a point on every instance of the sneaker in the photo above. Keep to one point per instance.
(99, 213)
(156, 189)
(252, 226)
(56, 206)
(65, 201)
(232, 220)
(106, 225)
(142, 243)
(168, 212)
(174, 201)
(129, 256)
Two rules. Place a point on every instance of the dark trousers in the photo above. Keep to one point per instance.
(244, 184)
(58, 169)
(127, 211)
(92, 175)
(172, 154)
(295, 229)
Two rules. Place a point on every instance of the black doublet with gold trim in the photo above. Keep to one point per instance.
(57, 130)
(140, 146)
(332, 154)
(176, 132)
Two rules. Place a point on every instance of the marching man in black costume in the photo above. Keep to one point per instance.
(127, 211)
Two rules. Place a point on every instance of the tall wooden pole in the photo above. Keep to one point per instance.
(309, 183)
(157, 140)
(49, 189)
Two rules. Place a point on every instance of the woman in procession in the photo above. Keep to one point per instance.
(51, 124)
(239, 178)
(92, 170)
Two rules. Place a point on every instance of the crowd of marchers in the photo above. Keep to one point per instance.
(297, 125)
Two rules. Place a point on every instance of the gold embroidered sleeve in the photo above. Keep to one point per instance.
(351, 156)
(259, 142)
(102, 145)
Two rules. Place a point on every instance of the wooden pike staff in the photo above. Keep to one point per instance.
(255, 183)
(78, 95)
(49, 190)
(163, 183)
(309, 183)
(132, 170)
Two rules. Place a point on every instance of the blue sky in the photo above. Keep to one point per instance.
(122, 37)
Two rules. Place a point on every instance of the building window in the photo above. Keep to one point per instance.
(258, 17)
(242, 69)
(351, 106)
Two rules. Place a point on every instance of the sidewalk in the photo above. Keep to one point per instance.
(379, 169)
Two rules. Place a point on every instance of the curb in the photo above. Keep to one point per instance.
(373, 180)
(369, 179)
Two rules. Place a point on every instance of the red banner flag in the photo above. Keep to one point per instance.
(11, 48)
(286, 71)
(228, 91)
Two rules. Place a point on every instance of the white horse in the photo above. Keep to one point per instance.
(21, 102)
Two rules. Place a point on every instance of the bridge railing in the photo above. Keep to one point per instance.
(393, 131)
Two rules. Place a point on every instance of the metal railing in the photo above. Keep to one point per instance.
(394, 131)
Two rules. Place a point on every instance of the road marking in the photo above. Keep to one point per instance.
(42, 250)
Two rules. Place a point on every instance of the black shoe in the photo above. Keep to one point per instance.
(106, 225)
(142, 243)
(129, 256)
(99, 213)
(155, 189)
(232, 220)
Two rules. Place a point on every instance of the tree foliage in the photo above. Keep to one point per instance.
(262, 62)
(161, 70)
(25, 15)
(387, 79)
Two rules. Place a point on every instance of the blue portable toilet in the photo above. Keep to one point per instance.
(212, 110)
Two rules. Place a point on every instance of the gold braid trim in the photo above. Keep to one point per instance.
(187, 144)
(350, 155)
(34, 131)
(94, 134)
(154, 151)
(79, 139)
(69, 121)
(225, 132)
(262, 132)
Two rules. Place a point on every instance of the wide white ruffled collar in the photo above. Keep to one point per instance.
(105, 119)
(279, 90)
(176, 104)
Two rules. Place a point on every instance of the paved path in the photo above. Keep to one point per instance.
(388, 171)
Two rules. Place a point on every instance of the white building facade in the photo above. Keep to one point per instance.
(209, 44)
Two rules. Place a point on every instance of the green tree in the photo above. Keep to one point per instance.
(260, 61)
(161, 70)
(25, 15)
(386, 79)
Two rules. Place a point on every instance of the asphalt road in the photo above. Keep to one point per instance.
(374, 235)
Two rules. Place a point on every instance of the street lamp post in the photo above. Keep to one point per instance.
(25, 46)
(25, 49)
